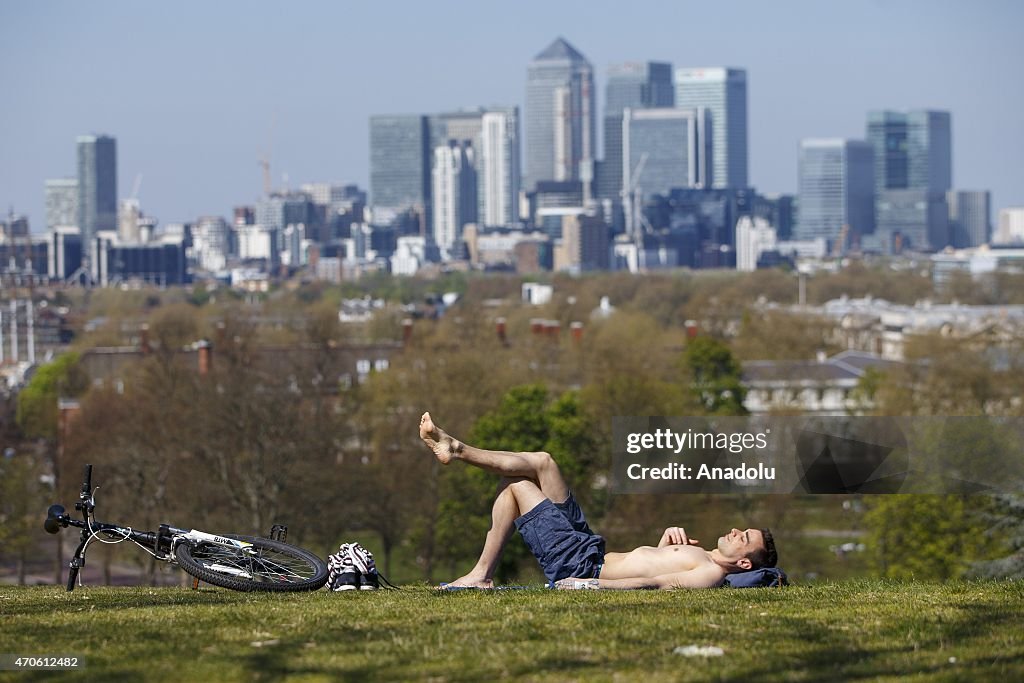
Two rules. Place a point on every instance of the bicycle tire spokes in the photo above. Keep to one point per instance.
(257, 564)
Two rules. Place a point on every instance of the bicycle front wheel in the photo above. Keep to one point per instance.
(266, 565)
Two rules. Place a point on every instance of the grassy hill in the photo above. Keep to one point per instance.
(860, 629)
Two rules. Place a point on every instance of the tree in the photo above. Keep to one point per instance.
(1005, 519)
(37, 402)
(716, 376)
(22, 502)
(927, 537)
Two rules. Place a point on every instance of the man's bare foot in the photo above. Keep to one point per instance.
(443, 446)
(468, 581)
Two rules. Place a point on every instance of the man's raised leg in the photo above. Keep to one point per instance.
(538, 467)
(515, 496)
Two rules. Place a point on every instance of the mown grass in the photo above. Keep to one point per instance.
(854, 630)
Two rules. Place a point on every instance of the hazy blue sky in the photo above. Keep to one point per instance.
(195, 91)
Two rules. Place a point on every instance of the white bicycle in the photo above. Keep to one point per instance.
(241, 563)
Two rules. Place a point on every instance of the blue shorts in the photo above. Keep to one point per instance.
(561, 540)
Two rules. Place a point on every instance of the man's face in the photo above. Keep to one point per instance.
(740, 543)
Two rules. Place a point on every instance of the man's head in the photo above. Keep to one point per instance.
(749, 549)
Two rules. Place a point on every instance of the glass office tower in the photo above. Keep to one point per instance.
(723, 92)
(836, 189)
(400, 158)
(635, 85)
(97, 189)
(560, 117)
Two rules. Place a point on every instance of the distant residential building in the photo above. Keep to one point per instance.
(400, 157)
(585, 244)
(634, 85)
(277, 211)
(61, 202)
(296, 244)
(210, 243)
(160, 263)
(536, 293)
(454, 195)
(666, 148)
(255, 242)
(560, 116)
(508, 249)
(976, 262)
(970, 218)
(753, 237)
(97, 189)
(836, 189)
(1011, 226)
(723, 92)
(129, 215)
(816, 248)
(411, 254)
(825, 386)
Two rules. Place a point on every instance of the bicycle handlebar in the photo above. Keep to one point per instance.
(87, 483)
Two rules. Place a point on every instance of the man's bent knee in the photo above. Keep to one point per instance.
(542, 461)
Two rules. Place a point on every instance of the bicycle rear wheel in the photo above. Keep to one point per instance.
(265, 566)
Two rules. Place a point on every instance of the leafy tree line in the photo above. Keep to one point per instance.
(249, 445)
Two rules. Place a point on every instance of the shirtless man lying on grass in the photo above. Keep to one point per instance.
(534, 498)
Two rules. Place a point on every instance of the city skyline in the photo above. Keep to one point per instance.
(194, 123)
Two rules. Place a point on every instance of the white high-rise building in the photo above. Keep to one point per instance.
(129, 214)
(210, 243)
(454, 194)
(753, 237)
(724, 92)
(1011, 226)
(61, 203)
(498, 167)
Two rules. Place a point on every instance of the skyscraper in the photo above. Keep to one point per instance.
(723, 92)
(454, 195)
(97, 189)
(913, 150)
(913, 172)
(836, 189)
(666, 148)
(400, 163)
(560, 117)
(498, 167)
(970, 218)
(634, 85)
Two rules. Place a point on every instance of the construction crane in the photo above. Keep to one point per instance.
(264, 161)
(632, 201)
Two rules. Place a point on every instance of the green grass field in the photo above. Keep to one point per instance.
(855, 630)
